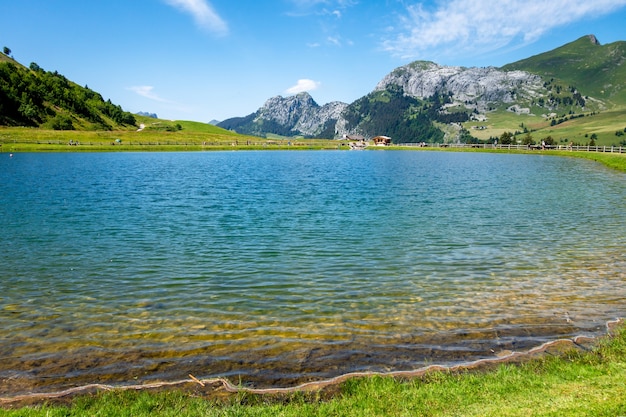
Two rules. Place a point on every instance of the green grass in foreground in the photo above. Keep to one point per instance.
(576, 383)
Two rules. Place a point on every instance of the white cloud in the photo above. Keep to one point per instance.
(147, 92)
(203, 14)
(303, 85)
(454, 26)
(334, 40)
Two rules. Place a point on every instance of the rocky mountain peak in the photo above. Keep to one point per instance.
(593, 39)
(297, 115)
(475, 86)
(287, 110)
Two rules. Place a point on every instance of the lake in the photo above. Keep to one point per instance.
(273, 268)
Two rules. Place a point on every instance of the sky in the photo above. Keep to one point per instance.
(205, 60)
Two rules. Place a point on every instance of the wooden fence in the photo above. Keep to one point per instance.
(610, 149)
(269, 143)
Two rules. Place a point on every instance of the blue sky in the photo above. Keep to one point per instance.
(214, 59)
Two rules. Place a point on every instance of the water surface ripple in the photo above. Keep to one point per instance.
(273, 268)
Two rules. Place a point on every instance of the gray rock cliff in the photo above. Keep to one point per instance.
(475, 87)
(299, 113)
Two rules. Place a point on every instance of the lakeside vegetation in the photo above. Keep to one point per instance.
(575, 382)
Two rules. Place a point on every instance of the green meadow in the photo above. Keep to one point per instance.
(607, 126)
(155, 136)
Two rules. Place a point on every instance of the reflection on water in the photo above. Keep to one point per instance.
(278, 267)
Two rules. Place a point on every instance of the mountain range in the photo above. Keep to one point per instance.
(574, 93)
(425, 101)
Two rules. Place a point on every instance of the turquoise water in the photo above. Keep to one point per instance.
(272, 268)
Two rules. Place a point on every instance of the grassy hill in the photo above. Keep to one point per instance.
(4, 58)
(38, 98)
(596, 70)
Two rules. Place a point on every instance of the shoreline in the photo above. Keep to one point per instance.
(217, 385)
(279, 364)
(616, 161)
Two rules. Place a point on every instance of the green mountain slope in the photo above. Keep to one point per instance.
(405, 119)
(38, 98)
(596, 70)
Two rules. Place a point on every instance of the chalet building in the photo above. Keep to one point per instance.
(382, 140)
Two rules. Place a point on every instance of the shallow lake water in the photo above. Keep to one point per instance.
(273, 268)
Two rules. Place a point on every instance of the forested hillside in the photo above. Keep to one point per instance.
(38, 98)
(406, 119)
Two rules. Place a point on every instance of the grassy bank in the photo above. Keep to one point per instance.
(576, 382)
(191, 137)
